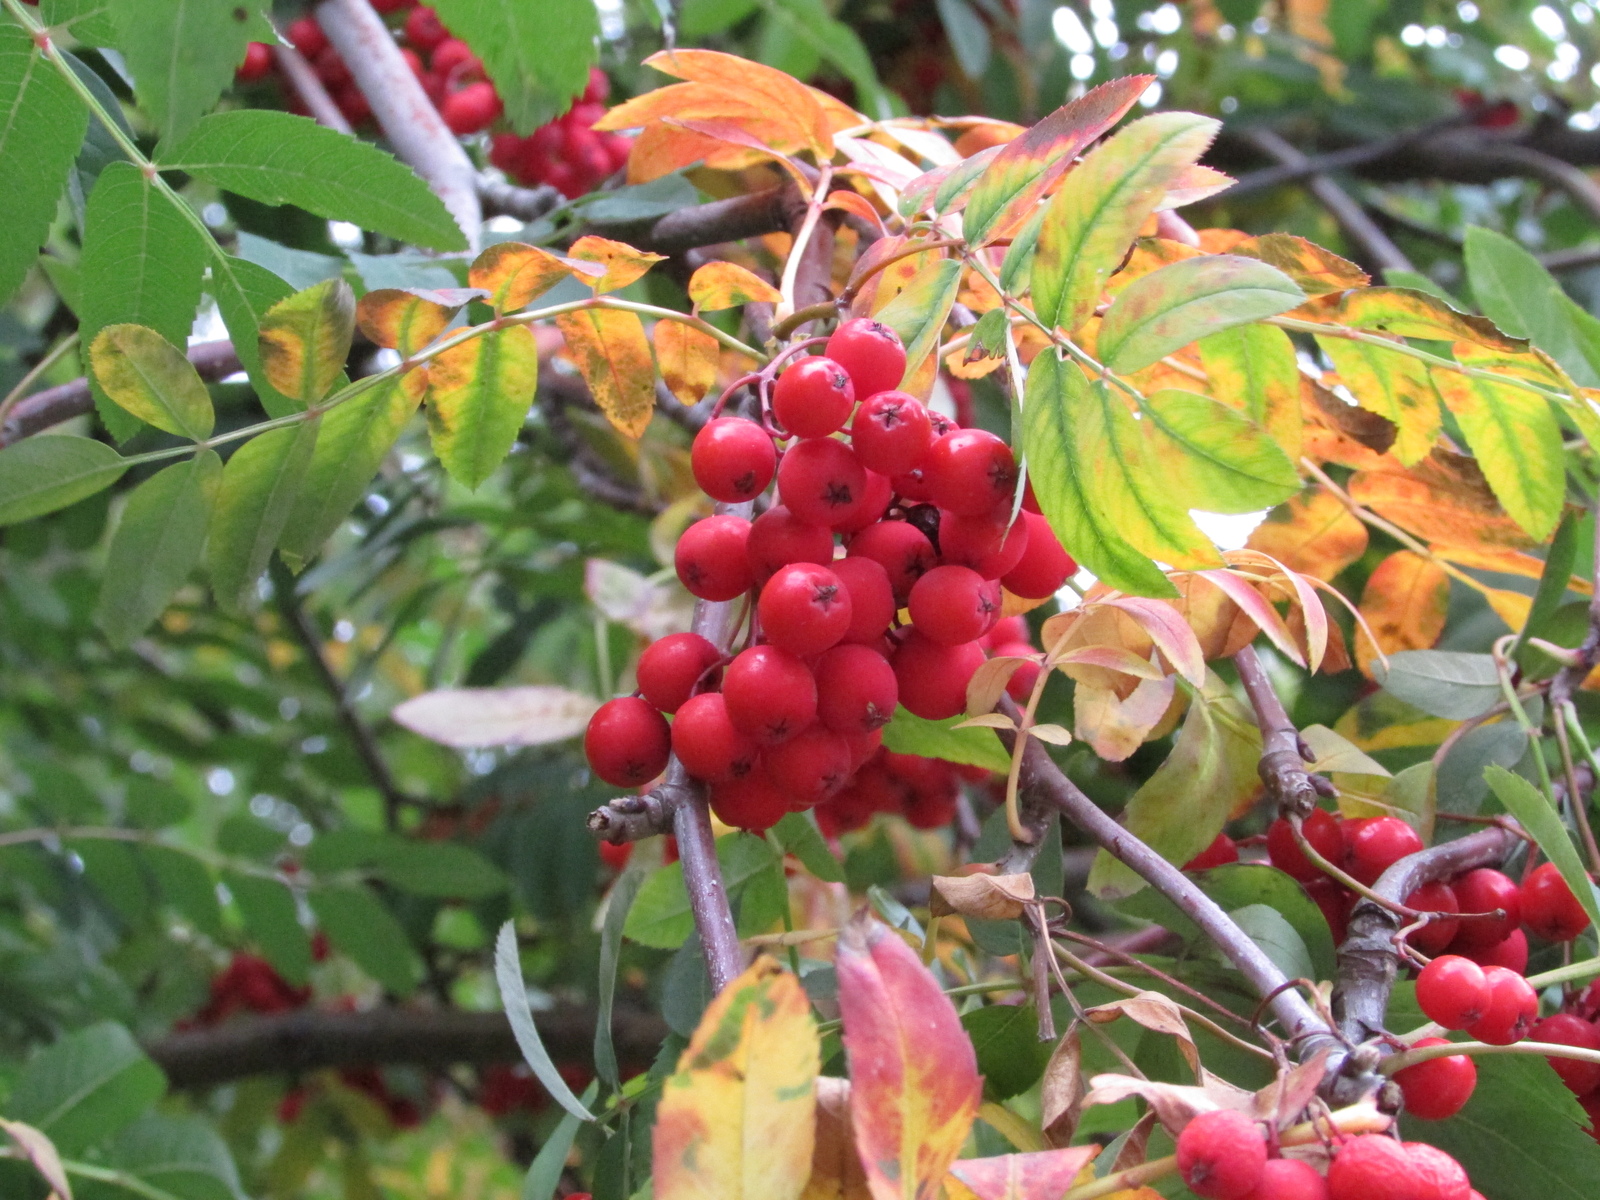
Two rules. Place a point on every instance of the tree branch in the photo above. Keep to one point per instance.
(1284, 756)
(525, 204)
(309, 88)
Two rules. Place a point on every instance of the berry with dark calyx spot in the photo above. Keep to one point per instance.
(754, 802)
(809, 767)
(771, 694)
(711, 559)
(871, 600)
(706, 742)
(627, 742)
(1044, 566)
(1289, 1179)
(871, 352)
(813, 397)
(1549, 909)
(804, 609)
(1321, 829)
(1452, 991)
(306, 36)
(901, 549)
(1221, 1155)
(733, 459)
(891, 432)
(933, 678)
(856, 690)
(1439, 1087)
(1222, 850)
(257, 63)
(670, 667)
(869, 506)
(1433, 937)
(1020, 686)
(1377, 845)
(1512, 1009)
(778, 538)
(970, 472)
(954, 605)
(1565, 1029)
(1437, 1176)
(1482, 891)
(820, 480)
(987, 544)
(926, 517)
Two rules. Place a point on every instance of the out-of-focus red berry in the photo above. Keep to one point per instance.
(257, 63)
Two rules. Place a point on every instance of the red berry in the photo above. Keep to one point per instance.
(778, 538)
(1564, 1029)
(1371, 1167)
(506, 151)
(1438, 1088)
(1290, 1179)
(1008, 630)
(353, 103)
(970, 472)
(856, 690)
(1481, 891)
(1549, 909)
(991, 545)
(813, 397)
(1044, 566)
(1452, 991)
(599, 86)
(1511, 952)
(618, 148)
(1321, 830)
(820, 480)
(953, 605)
(616, 855)
(306, 36)
(453, 57)
(900, 548)
(1377, 844)
(583, 114)
(257, 63)
(1433, 937)
(706, 742)
(809, 767)
(1221, 851)
(1435, 1175)
(733, 460)
(627, 742)
(711, 558)
(871, 600)
(424, 30)
(391, 6)
(869, 506)
(1020, 686)
(891, 432)
(754, 802)
(1221, 1155)
(871, 352)
(933, 678)
(669, 668)
(804, 609)
(331, 69)
(473, 109)
(1512, 1009)
(862, 747)
(1335, 903)
(771, 694)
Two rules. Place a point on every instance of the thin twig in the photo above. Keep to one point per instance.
(1284, 754)
(309, 88)
(54, 355)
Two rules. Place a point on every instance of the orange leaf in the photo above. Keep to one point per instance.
(1405, 603)
(1019, 1176)
(1316, 270)
(734, 134)
(782, 97)
(614, 359)
(726, 285)
(1405, 312)
(1313, 533)
(403, 320)
(623, 264)
(836, 1171)
(915, 1087)
(856, 205)
(662, 149)
(1395, 386)
(1443, 499)
(513, 273)
(687, 357)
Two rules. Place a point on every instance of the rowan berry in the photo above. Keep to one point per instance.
(391, 6)
(1222, 850)
(869, 508)
(331, 68)
(1371, 1167)
(627, 742)
(1221, 1155)
(820, 480)
(871, 352)
(424, 30)
(1377, 844)
(473, 109)
(1020, 686)
(1435, 1175)
(1321, 829)
(670, 667)
(911, 487)
(306, 36)
(891, 432)
(804, 609)
(856, 690)
(992, 545)
(871, 600)
(970, 472)
(932, 808)
(1482, 891)
(933, 678)
(615, 855)
(599, 86)
(1433, 937)
(1335, 903)
(1512, 1009)
(809, 767)
(901, 549)
(353, 103)
(771, 694)
(1510, 952)
(706, 742)
(1566, 1029)
(257, 63)
(813, 397)
(1452, 991)
(1044, 566)
(1439, 1087)
(711, 559)
(453, 58)
(1289, 1179)
(754, 802)
(862, 747)
(1549, 909)
(733, 459)
(1008, 630)
(778, 538)
(954, 605)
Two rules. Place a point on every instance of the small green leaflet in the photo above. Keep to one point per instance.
(361, 927)
(259, 487)
(176, 1156)
(268, 909)
(1515, 291)
(919, 312)
(152, 379)
(908, 733)
(799, 836)
(182, 55)
(514, 998)
(86, 1087)
(1215, 456)
(244, 292)
(660, 916)
(41, 474)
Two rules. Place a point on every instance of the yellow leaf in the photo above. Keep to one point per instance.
(687, 357)
(1392, 384)
(1316, 270)
(1443, 499)
(478, 397)
(1405, 603)
(1313, 533)
(400, 320)
(1253, 368)
(736, 1121)
(1116, 727)
(305, 339)
(623, 264)
(513, 273)
(726, 285)
(614, 358)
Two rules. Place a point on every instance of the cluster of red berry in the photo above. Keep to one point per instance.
(247, 984)
(506, 1088)
(1222, 1155)
(923, 509)
(565, 153)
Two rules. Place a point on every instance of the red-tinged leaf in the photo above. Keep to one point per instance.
(785, 98)
(737, 1119)
(478, 397)
(1110, 658)
(1405, 603)
(1169, 632)
(661, 149)
(471, 718)
(1314, 533)
(919, 312)
(1026, 167)
(856, 205)
(401, 320)
(957, 179)
(836, 1171)
(38, 1149)
(1255, 606)
(879, 252)
(1193, 185)
(1405, 312)
(1043, 1173)
(623, 264)
(614, 359)
(306, 338)
(1316, 270)
(915, 1086)
(1393, 385)
(734, 134)
(513, 273)
(705, 102)
(889, 172)
(687, 357)
(1301, 590)
(720, 284)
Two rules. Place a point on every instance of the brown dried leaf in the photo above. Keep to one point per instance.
(990, 897)
(1062, 1090)
(836, 1171)
(1155, 1012)
(988, 684)
(1283, 1100)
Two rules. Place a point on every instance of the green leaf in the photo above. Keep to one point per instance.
(1095, 216)
(1418, 282)
(41, 474)
(300, 268)
(799, 836)
(810, 24)
(277, 158)
(182, 1156)
(1057, 404)
(968, 36)
(305, 339)
(1214, 456)
(157, 544)
(478, 398)
(272, 922)
(258, 491)
(1167, 309)
(1253, 368)
(1238, 885)
(42, 123)
(1559, 561)
(1515, 291)
(362, 928)
(1017, 265)
(1446, 683)
(187, 886)
(113, 868)
(1011, 1058)
(1267, 928)
(182, 54)
(514, 997)
(919, 312)
(244, 292)
(618, 902)
(660, 916)
(355, 437)
(544, 1173)
(85, 1087)
(537, 55)
(1525, 802)
(152, 379)
(447, 870)
(91, 21)
(142, 265)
